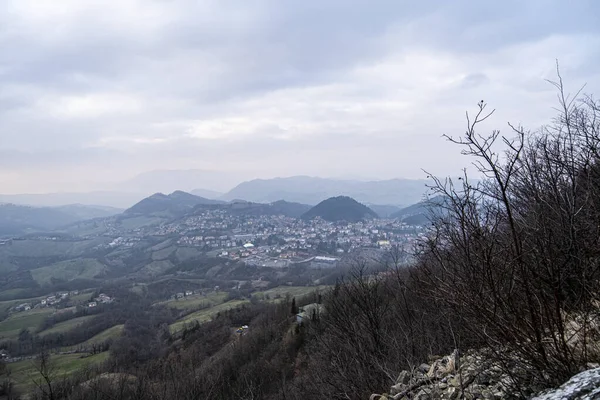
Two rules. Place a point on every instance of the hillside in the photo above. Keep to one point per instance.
(176, 203)
(418, 213)
(16, 219)
(83, 212)
(241, 207)
(312, 190)
(340, 208)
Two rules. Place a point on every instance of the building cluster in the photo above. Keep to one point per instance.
(50, 301)
(276, 241)
(101, 299)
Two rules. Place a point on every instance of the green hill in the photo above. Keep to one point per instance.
(340, 208)
(174, 204)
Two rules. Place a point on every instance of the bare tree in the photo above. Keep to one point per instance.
(516, 253)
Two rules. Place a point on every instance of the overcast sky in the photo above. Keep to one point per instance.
(94, 92)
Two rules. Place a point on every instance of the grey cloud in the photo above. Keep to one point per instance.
(285, 87)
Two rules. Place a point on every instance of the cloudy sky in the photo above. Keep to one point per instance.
(95, 92)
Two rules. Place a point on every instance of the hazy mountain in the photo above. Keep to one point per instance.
(340, 208)
(418, 213)
(384, 211)
(167, 181)
(82, 211)
(100, 198)
(311, 190)
(17, 219)
(208, 194)
(176, 203)
(289, 209)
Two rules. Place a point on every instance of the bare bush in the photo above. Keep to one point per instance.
(515, 255)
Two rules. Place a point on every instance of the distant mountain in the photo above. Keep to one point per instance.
(208, 194)
(83, 212)
(167, 181)
(289, 209)
(384, 211)
(174, 204)
(340, 208)
(419, 213)
(100, 198)
(16, 219)
(311, 190)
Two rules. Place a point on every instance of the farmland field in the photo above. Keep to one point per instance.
(66, 326)
(32, 319)
(205, 315)
(23, 373)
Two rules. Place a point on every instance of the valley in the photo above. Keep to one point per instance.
(81, 289)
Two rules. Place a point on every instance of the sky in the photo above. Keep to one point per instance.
(93, 93)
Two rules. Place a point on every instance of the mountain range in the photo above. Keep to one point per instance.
(312, 190)
(298, 189)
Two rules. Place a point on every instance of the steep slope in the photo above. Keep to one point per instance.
(311, 190)
(340, 208)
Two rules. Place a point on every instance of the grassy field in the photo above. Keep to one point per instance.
(81, 298)
(5, 304)
(157, 267)
(23, 373)
(110, 333)
(205, 315)
(32, 319)
(292, 291)
(194, 301)
(83, 268)
(66, 326)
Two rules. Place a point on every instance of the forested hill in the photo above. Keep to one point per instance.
(340, 208)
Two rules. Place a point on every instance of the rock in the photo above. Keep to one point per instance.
(451, 394)
(424, 368)
(403, 378)
(397, 388)
(422, 395)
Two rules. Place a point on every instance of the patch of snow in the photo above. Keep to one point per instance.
(585, 385)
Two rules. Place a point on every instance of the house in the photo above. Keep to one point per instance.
(309, 312)
(103, 298)
(189, 293)
(92, 304)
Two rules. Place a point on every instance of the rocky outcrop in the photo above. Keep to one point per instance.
(473, 376)
(470, 376)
